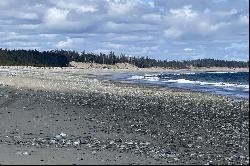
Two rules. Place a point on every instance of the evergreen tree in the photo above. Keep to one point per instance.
(61, 58)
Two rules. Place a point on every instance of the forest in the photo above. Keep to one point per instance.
(61, 58)
(32, 58)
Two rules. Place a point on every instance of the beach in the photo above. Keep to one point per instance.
(76, 116)
(126, 67)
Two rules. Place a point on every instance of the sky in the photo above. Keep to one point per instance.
(160, 29)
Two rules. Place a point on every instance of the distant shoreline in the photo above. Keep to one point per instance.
(129, 67)
(122, 67)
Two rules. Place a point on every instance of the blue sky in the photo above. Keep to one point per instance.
(161, 29)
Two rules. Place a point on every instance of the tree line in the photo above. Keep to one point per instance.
(61, 58)
(32, 58)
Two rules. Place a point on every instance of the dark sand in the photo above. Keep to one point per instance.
(114, 123)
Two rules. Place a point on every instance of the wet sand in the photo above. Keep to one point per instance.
(73, 116)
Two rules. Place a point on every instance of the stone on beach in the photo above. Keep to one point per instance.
(165, 126)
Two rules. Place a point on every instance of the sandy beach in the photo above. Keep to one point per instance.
(76, 116)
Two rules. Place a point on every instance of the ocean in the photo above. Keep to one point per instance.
(235, 84)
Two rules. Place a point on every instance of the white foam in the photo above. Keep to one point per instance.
(152, 78)
(229, 86)
(177, 74)
(146, 77)
(182, 81)
(217, 84)
(190, 73)
(206, 83)
(242, 87)
(220, 72)
(136, 78)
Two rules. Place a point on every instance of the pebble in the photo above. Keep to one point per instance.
(176, 124)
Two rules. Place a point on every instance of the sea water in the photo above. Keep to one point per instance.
(225, 83)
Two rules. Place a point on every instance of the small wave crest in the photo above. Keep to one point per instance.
(136, 78)
(217, 84)
(146, 77)
(229, 84)
(220, 72)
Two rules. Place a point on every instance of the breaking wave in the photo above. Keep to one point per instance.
(215, 82)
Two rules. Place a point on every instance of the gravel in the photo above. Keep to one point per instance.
(165, 126)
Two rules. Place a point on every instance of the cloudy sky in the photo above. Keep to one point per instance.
(161, 29)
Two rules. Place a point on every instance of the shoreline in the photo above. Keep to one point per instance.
(130, 69)
(102, 122)
(25, 75)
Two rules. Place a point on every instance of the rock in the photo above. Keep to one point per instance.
(25, 153)
(53, 141)
(83, 141)
(58, 137)
(119, 140)
(130, 143)
(199, 138)
(76, 143)
(63, 135)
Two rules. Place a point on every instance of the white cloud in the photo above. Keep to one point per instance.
(152, 17)
(244, 19)
(65, 44)
(185, 22)
(114, 27)
(111, 46)
(29, 16)
(172, 33)
(221, 13)
(137, 26)
(75, 6)
(28, 26)
(132, 38)
(85, 9)
(151, 4)
(121, 7)
(55, 16)
(208, 27)
(188, 49)
(184, 12)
